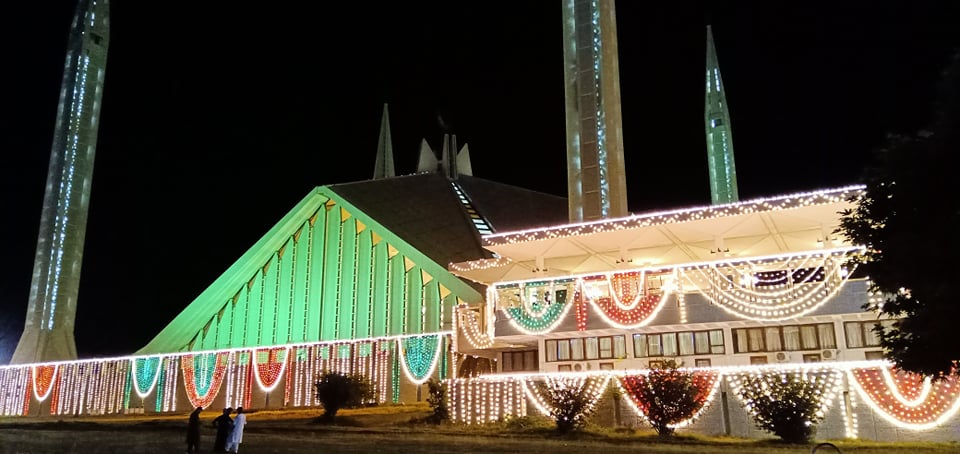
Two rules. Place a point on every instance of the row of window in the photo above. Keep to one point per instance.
(816, 336)
(678, 344)
(581, 348)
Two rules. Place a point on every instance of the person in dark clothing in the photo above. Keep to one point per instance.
(224, 426)
(193, 431)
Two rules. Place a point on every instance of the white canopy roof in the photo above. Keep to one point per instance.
(760, 227)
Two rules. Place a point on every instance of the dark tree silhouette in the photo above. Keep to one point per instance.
(909, 219)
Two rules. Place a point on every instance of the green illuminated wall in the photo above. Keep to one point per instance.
(326, 271)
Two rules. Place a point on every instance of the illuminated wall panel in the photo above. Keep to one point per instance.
(332, 277)
(414, 304)
(362, 320)
(268, 317)
(346, 301)
(378, 304)
(284, 303)
(317, 272)
(299, 299)
(396, 295)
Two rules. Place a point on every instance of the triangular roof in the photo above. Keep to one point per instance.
(422, 215)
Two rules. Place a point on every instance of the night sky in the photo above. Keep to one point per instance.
(218, 119)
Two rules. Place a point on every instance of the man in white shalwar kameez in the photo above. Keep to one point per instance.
(236, 437)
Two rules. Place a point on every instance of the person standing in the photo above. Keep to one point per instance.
(236, 436)
(193, 431)
(224, 426)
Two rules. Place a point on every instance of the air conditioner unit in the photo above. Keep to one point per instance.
(828, 354)
(781, 356)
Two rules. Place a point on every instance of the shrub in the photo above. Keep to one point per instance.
(570, 407)
(786, 404)
(438, 401)
(336, 391)
(667, 395)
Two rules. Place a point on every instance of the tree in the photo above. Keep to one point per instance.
(438, 401)
(667, 395)
(336, 391)
(909, 221)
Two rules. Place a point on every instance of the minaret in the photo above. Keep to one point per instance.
(383, 167)
(716, 117)
(596, 181)
(48, 331)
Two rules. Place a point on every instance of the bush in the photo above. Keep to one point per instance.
(667, 395)
(786, 404)
(570, 407)
(438, 401)
(336, 391)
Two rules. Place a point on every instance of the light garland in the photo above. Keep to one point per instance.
(535, 317)
(823, 197)
(898, 399)
(142, 376)
(203, 387)
(533, 324)
(419, 356)
(45, 375)
(269, 365)
(469, 325)
(775, 303)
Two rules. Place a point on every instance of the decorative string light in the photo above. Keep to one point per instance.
(468, 324)
(827, 196)
(43, 381)
(419, 356)
(719, 283)
(269, 365)
(146, 372)
(907, 400)
(203, 383)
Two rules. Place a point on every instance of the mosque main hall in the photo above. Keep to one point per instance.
(440, 274)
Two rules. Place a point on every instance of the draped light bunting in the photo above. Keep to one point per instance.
(269, 366)
(479, 401)
(907, 400)
(202, 376)
(43, 381)
(468, 325)
(624, 300)
(706, 381)
(419, 356)
(536, 307)
(772, 288)
(540, 391)
(146, 372)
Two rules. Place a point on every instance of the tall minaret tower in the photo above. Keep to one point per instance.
(716, 117)
(48, 331)
(596, 180)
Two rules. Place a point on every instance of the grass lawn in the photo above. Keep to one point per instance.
(387, 429)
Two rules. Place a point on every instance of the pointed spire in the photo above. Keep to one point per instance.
(463, 161)
(428, 160)
(383, 168)
(448, 160)
(716, 117)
